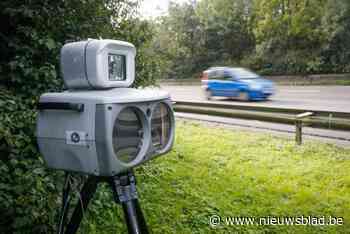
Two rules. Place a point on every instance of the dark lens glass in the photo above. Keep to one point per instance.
(116, 67)
(127, 135)
(161, 124)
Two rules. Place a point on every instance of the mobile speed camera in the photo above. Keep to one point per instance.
(100, 126)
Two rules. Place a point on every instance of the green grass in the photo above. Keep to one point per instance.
(344, 82)
(234, 173)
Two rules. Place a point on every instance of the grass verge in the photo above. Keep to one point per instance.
(234, 173)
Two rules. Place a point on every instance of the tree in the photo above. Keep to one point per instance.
(336, 54)
(289, 32)
(194, 36)
(178, 40)
(227, 29)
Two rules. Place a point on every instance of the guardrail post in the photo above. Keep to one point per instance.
(298, 131)
(299, 126)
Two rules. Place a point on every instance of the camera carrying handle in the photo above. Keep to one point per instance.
(79, 107)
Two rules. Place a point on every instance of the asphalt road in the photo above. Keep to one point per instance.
(328, 98)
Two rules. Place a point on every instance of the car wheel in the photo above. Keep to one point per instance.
(243, 96)
(208, 94)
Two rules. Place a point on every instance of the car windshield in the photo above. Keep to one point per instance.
(241, 73)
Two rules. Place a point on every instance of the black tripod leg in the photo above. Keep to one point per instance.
(131, 217)
(86, 194)
(124, 188)
(140, 217)
(65, 203)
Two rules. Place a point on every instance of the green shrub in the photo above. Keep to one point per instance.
(28, 194)
(31, 36)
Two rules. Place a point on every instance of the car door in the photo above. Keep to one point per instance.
(214, 84)
(232, 86)
(224, 84)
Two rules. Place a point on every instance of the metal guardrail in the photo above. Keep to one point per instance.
(297, 117)
(294, 111)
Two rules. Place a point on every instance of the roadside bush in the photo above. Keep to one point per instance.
(28, 194)
(31, 36)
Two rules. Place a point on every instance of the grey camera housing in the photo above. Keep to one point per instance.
(99, 126)
(84, 64)
(90, 115)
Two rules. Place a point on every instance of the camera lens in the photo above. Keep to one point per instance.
(127, 135)
(160, 126)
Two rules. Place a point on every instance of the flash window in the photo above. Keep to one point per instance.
(116, 67)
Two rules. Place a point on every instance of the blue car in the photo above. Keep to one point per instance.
(238, 83)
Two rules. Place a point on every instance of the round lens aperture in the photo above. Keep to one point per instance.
(161, 126)
(127, 135)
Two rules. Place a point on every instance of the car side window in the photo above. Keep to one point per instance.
(227, 75)
(212, 74)
(220, 75)
(233, 78)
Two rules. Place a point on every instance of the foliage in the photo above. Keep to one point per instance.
(271, 36)
(337, 52)
(31, 36)
(28, 192)
(193, 37)
(213, 170)
(289, 34)
(177, 43)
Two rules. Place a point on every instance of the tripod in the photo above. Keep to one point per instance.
(124, 193)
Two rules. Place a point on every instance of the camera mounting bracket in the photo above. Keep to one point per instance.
(124, 187)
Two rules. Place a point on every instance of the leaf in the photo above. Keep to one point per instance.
(50, 44)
